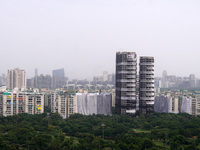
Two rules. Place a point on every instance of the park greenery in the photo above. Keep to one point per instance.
(50, 131)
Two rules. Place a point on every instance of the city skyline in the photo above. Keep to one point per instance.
(83, 36)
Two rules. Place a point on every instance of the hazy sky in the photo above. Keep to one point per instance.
(83, 36)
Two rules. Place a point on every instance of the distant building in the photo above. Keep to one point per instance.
(126, 71)
(105, 76)
(16, 79)
(43, 82)
(59, 79)
(30, 83)
(97, 79)
(36, 72)
(146, 90)
(192, 81)
(3, 80)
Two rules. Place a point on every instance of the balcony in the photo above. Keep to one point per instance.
(131, 76)
(150, 67)
(131, 94)
(148, 64)
(127, 89)
(150, 85)
(126, 63)
(145, 80)
(150, 94)
(126, 72)
(131, 59)
(131, 85)
(127, 98)
(125, 80)
(131, 67)
(145, 89)
(147, 98)
(147, 72)
(150, 103)
(133, 111)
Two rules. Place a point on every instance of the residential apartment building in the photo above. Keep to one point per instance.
(16, 79)
(63, 102)
(12, 103)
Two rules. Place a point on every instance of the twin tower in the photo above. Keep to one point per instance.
(134, 92)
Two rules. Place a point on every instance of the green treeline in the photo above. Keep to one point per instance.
(50, 131)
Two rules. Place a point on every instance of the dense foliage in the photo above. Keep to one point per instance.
(50, 131)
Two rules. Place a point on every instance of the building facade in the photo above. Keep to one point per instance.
(16, 79)
(42, 81)
(59, 79)
(146, 85)
(12, 103)
(126, 71)
(62, 102)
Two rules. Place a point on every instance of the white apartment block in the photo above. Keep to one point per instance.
(12, 103)
(16, 79)
(62, 102)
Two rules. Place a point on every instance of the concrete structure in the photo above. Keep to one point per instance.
(175, 105)
(126, 71)
(63, 102)
(16, 79)
(94, 103)
(12, 103)
(43, 82)
(36, 72)
(192, 81)
(71, 103)
(3, 80)
(105, 76)
(146, 85)
(58, 78)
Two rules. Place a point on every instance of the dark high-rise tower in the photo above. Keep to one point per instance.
(146, 85)
(126, 70)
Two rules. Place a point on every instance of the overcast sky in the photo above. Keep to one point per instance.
(83, 36)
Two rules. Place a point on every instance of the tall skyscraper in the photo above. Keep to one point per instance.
(36, 72)
(16, 79)
(146, 85)
(126, 71)
(59, 78)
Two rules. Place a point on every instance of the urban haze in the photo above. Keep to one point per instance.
(83, 36)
